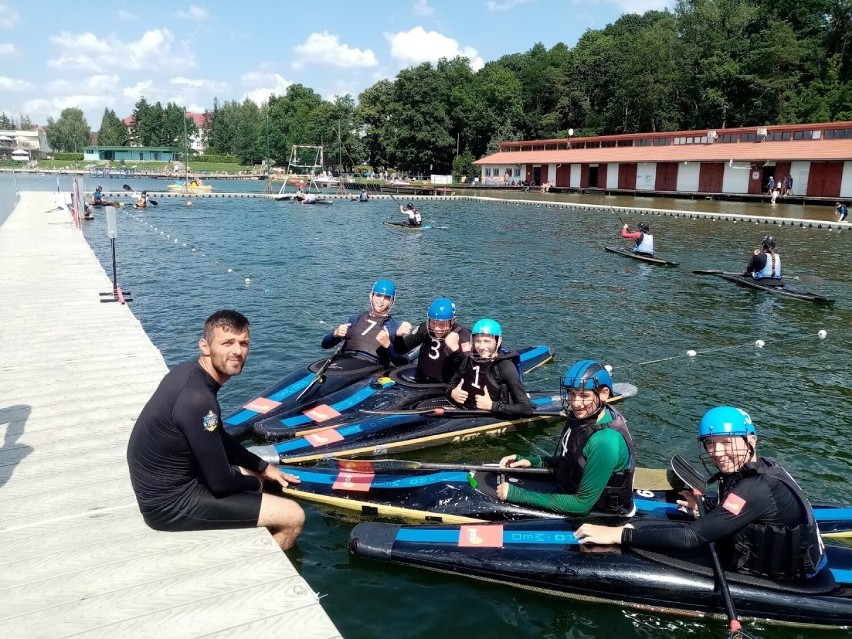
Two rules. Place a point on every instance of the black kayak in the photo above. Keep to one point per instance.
(447, 493)
(375, 435)
(543, 555)
(644, 257)
(405, 225)
(785, 289)
(386, 391)
(321, 378)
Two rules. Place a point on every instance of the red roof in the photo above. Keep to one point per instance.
(715, 152)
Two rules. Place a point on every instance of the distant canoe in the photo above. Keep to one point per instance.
(198, 188)
(640, 256)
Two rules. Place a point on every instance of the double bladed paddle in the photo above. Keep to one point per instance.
(127, 187)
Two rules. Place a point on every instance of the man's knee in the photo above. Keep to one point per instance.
(279, 512)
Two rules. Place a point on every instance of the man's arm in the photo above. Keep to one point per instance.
(520, 404)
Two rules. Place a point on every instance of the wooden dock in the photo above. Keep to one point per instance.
(76, 559)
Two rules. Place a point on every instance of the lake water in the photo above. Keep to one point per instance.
(542, 272)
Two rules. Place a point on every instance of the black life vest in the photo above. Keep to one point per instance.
(772, 551)
(617, 497)
(477, 375)
(360, 339)
(435, 364)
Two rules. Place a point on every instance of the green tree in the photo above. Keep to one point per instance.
(372, 118)
(6, 122)
(112, 131)
(70, 132)
(463, 166)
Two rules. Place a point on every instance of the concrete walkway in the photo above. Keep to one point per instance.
(76, 559)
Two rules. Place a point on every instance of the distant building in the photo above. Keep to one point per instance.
(129, 153)
(197, 141)
(32, 142)
(721, 161)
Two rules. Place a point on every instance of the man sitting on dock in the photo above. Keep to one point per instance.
(186, 471)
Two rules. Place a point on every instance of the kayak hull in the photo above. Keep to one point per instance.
(786, 290)
(544, 556)
(650, 259)
(408, 227)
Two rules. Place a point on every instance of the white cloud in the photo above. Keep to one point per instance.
(206, 85)
(418, 45)
(125, 16)
(325, 48)
(88, 52)
(14, 84)
(96, 83)
(422, 8)
(504, 5)
(7, 49)
(193, 12)
(262, 84)
(8, 16)
(136, 91)
(40, 108)
(641, 6)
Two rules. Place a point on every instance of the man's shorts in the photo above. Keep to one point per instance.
(199, 509)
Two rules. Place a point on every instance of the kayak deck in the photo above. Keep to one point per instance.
(639, 256)
(785, 290)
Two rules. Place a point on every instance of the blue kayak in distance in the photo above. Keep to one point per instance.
(391, 390)
(543, 555)
(449, 494)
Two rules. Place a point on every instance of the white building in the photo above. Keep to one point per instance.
(33, 142)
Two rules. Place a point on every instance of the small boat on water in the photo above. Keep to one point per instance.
(191, 188)
(543, 555)
(785, 289)
(643, 257)
(409, 227)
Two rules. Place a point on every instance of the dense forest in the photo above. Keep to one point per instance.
(706, 64)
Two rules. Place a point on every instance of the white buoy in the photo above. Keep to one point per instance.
(230, 270)
(760, 343)
(248, 281)
(822, 334)
(691, 353)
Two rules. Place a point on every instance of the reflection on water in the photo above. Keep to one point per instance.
(543, 273)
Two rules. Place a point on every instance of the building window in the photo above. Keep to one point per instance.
(727, 138)
(487, 172)
(517, 173)
(837, 134)
(623, 143)
(774, 136)
(662, 141)
(748, 137)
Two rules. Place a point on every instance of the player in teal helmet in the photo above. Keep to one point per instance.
(442, 340)
(595, 458)
(368, 336)
(488, 379)
(762, 521)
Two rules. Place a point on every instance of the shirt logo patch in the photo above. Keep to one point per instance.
(734, 504)
(210, 421)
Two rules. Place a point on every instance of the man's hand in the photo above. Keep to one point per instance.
(512, 461)
(383, 338)
(503, 491)
(483, 402)
(458, 394)
(341, 330)
(451, 341)
(404, 329)
(271, 473)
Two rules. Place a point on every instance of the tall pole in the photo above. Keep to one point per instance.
(268, 184)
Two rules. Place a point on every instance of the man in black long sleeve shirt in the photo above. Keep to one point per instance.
(762, 521)
(186, 471)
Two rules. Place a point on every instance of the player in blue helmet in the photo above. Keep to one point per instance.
(762, 521)
(765, 264)
(414, 217)
(442, 341)
(368, 336)
(595, 458)
(643, 238)
(487, 378)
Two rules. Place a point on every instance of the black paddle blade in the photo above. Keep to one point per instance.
(126, 187)
(154, 202)
(688, 475)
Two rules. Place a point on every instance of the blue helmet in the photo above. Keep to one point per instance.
(442, 309)
(587, 375)
(487, 327)
(725, 420)
(384, 287)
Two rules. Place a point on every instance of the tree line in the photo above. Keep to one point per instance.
(706, 64)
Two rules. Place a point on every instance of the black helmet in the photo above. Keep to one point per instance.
(644, 227)
(768, 242)
(409, 205)
(144, 192)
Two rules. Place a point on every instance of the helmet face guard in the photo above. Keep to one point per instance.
(585, 375)
(485, 328)
(441, 317)
(726, 423)
(385, 288)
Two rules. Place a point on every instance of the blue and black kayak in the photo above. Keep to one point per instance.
(398, 431)
(386, 391)
(464, 493)
(409, 227)
(642, 257)
(300, 389)
(543, 555)
(785, 289)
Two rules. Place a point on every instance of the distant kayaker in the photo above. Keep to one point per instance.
(643, 238)
(842, 211)
(595, 458)
(765, 264)
(414, 217)
(186, 471)
(364, 196)
(142, 202)
(488, 379)
(442, 341)
(368, 336)
(98, 197)
(762, 521)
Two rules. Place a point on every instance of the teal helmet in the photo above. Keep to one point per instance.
(384, 287)
(485, 327)
(725, 420)
(587, 375)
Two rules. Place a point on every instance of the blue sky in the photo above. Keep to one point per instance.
(94, 54)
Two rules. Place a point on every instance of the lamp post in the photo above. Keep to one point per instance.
(268, 184)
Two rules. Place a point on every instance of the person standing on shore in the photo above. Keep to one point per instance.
(842, 211)
(186, 471)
